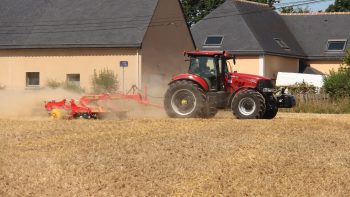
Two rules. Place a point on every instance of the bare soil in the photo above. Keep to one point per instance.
(293, 155)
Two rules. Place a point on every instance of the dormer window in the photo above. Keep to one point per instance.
(336, 45)
(282, 44)
(214, 41)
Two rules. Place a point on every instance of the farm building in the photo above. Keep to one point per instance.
(67, 40)
(266, 42)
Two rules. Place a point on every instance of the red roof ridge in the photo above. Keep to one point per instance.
(314, 13)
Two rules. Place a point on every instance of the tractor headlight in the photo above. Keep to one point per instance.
(268, 90)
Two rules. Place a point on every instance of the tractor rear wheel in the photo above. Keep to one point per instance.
(184, 99)
(248, 104)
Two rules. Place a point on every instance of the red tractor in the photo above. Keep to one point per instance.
(209, 85)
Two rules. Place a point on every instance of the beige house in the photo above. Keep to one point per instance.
(266, 42)
(141, 41)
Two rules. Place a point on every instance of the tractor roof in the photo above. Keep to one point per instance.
(208, 53)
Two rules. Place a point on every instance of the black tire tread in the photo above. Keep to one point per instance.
(201, 99)
(252, 93)
(272, 111)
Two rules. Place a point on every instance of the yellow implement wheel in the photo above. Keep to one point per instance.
(57, 114)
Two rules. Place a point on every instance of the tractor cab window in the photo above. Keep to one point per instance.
(204, 67)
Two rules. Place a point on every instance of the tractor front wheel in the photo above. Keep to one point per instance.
(248, 104)
(271, 109)
(184, 99)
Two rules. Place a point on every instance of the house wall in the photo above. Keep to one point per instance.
(325, 66)
(162, 50)
(246, 64)
(275, 64)
(55, 64)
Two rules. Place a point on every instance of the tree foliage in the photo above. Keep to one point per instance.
(339, 6)
(292, 9)
(105, 81)
(195, 10)
(269, 2)
(337, 83)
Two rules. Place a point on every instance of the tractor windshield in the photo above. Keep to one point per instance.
(205, 67)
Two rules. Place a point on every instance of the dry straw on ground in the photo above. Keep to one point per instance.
(292, 155)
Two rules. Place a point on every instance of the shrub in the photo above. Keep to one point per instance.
(337, 83)
(346, 59)
(105, 81)
(54, 84)
(2, 87)
(302, 88)
(65, 85)
(73, 87)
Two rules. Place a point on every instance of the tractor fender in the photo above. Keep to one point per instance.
(233, 94)
(197, 79)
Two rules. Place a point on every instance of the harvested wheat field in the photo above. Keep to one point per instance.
(293, 155)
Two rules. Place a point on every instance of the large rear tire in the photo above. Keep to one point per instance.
(248, 104)
(185, 99)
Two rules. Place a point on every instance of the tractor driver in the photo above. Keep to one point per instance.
(199, 66)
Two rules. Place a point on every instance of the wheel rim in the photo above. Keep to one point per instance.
(247, 106)
(56, 114)
(183, 102)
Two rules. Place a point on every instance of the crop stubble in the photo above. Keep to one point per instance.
(295, 154)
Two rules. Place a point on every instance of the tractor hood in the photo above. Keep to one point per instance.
(248, 77)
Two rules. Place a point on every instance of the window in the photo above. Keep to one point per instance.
(282, 44)
(73, 79)
(32, 79)
(206, 68)
(336, 45)
(214, 41)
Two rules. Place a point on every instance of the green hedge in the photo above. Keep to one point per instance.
(337, 83)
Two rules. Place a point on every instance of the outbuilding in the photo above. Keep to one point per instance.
(65, 40)
(267, 42)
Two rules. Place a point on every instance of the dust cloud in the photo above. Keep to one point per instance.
(30, 103)
(19, 104)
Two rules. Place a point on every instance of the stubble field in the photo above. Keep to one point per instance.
(293, 155)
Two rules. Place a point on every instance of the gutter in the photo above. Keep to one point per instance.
(69, 46)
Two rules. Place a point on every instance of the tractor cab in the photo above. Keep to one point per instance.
(211, 66)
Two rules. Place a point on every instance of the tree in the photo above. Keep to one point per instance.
(195, 10)
(337, 83)
(269, 2)
(339, 6)
(291, 9)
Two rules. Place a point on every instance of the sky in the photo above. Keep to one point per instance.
(313, 7)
